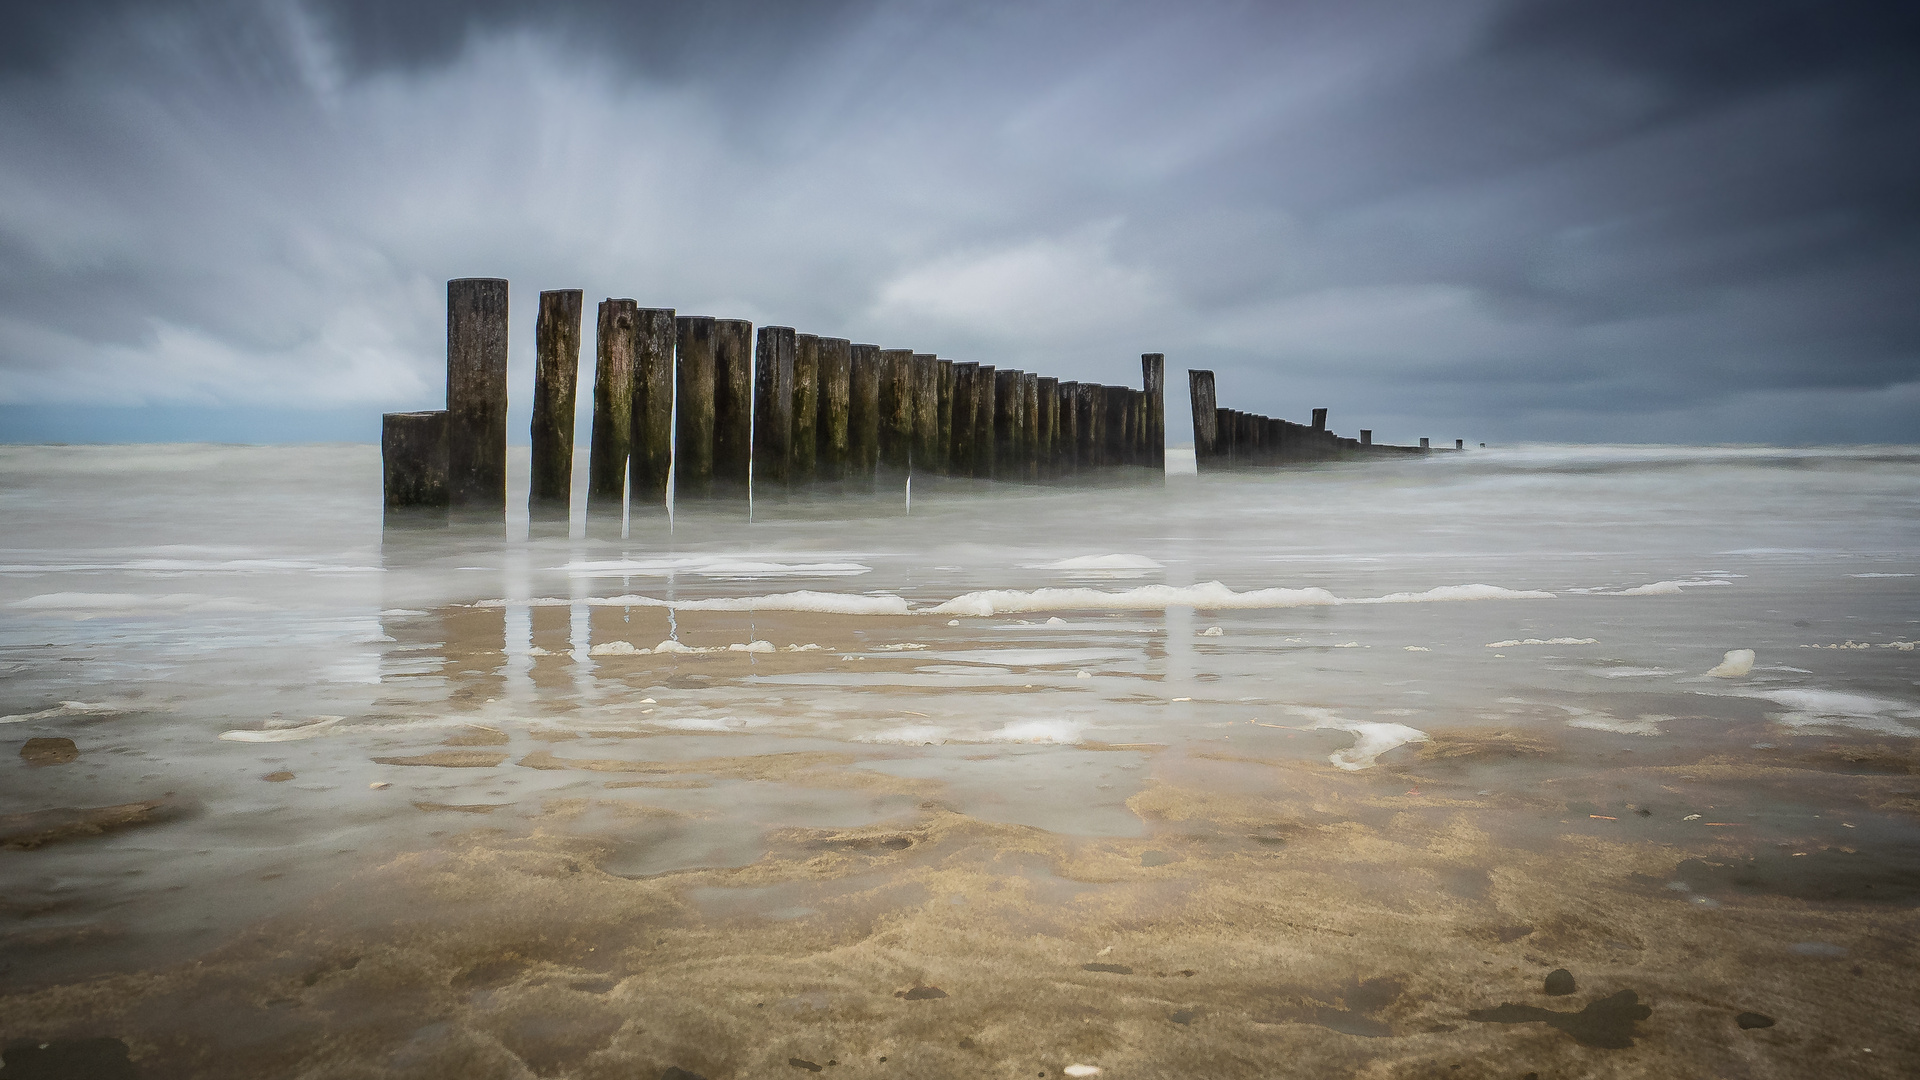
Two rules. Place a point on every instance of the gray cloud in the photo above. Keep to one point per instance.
(1502, 220)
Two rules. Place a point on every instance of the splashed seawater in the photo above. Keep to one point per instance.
(1436, 722)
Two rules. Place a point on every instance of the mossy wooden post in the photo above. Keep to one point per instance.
(896, 414)
(413, 458)
(772, 409)
(985, 408)
(556, 379)
(928, 457)
(1205, 429)
(863, 415)
(1153, 369)
(732, 407)
(960, 438)
(612, 406)
(1006, 413)
(477, 394)
(834, 377)
(655, 339)
(1030, 425)
(693, 411)
(806, 409)
(1048, 426)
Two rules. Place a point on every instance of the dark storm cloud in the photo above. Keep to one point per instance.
(1559, 220)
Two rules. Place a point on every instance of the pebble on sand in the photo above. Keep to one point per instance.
(49, 751)
(1559, 983)
(1750, 1020)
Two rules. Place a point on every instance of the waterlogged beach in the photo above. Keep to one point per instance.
(1335, 771)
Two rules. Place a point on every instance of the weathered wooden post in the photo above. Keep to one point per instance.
(612, 436)
(477, 393)
(806, 409)
(896, 414)
(1366, 436)
(556, 378)
(835, 379)
(772, 409)
(960, 447)
(1153, 374)
(1049, 427)
(926, 457)
(944, 436)
(693, 411)
(413, 457)
(1205, 431)
(732, 407)
(1459, 444)
(651, 445)
(1030, 425)
(1423, 443)
(1006, 424)
(863, 414)
(1115, 424)
(1066, 429)
(1319, 419)
(1277, 439)
(1093, 414)
(986, 407)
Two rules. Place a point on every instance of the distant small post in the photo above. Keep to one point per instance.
(612, 406)
(772, 408)
(477, 393)
(806, 409)
(835, 378)
(732, 407)
(1459, 444)
(655, 339)
(863, 413)
(693, 410)
(556, 378)
(1366, 436)
(1319, 419)
(413, 458)
(1423, 443)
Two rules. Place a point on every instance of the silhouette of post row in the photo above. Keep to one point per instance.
(720, 411)
(1229, 439)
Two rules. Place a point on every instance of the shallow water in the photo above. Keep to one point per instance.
(1328, 738)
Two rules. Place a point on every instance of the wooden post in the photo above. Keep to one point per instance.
(986, 383)
(943, 438)
(1093, 409)
(806, 409)
(960, 444)
(1066, 429)
(1049, 427)
(896, 413)
(1319, 419)
(1153, 373)
(732, 407)
(655, 338)
(1423, 443)
(1030, 425)
(1459, 444)
(477, 393)
(1115, 424)
(863, 414)
(413, 457)
(1205, 430)
(835, 380)
(556, 378)
(1006, 421)
(928, 457)
(1366, 436)
(772, 409)
(693, 411)
(612, 406)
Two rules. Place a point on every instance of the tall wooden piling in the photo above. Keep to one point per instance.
(806, 409)
(772, 409)
(985, 408)
(732, 407)
(896, 413)
(834, 378)
(693, 410)
(1093, 408)
(960, 450)
(1049, 427)
(1115, 424)
(928, 456)
(1153, 375)
(413, 458)
(1205, 429)
(477, 393)
(612, 438)
(556, 378)
(863, 414)
(943, 438)
(1067, 430)
(1006, 419)
(1030, 424)
(655, 338)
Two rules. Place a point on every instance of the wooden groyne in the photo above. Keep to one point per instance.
(719, 411)
(1230, 439)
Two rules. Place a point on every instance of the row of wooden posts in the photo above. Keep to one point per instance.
(725, 411)
(1230, 439)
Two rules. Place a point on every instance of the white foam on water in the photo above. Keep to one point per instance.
(804, 600)
(1101, 566)
(313, 730)
(65, 708)
(1208, 596)
(1646, 724)
(752, 647)
(1515, 643)
(672, 646)
(1034, 657)
(1879, 575)
(908, 735)
(1734, 665)
(1826, 709)
(1371, 738)
(1656, 588)
(1632, 673)
(712, 566)
(1053, 732)
(616, 648)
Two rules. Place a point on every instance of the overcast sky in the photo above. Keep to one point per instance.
(1596, 220)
